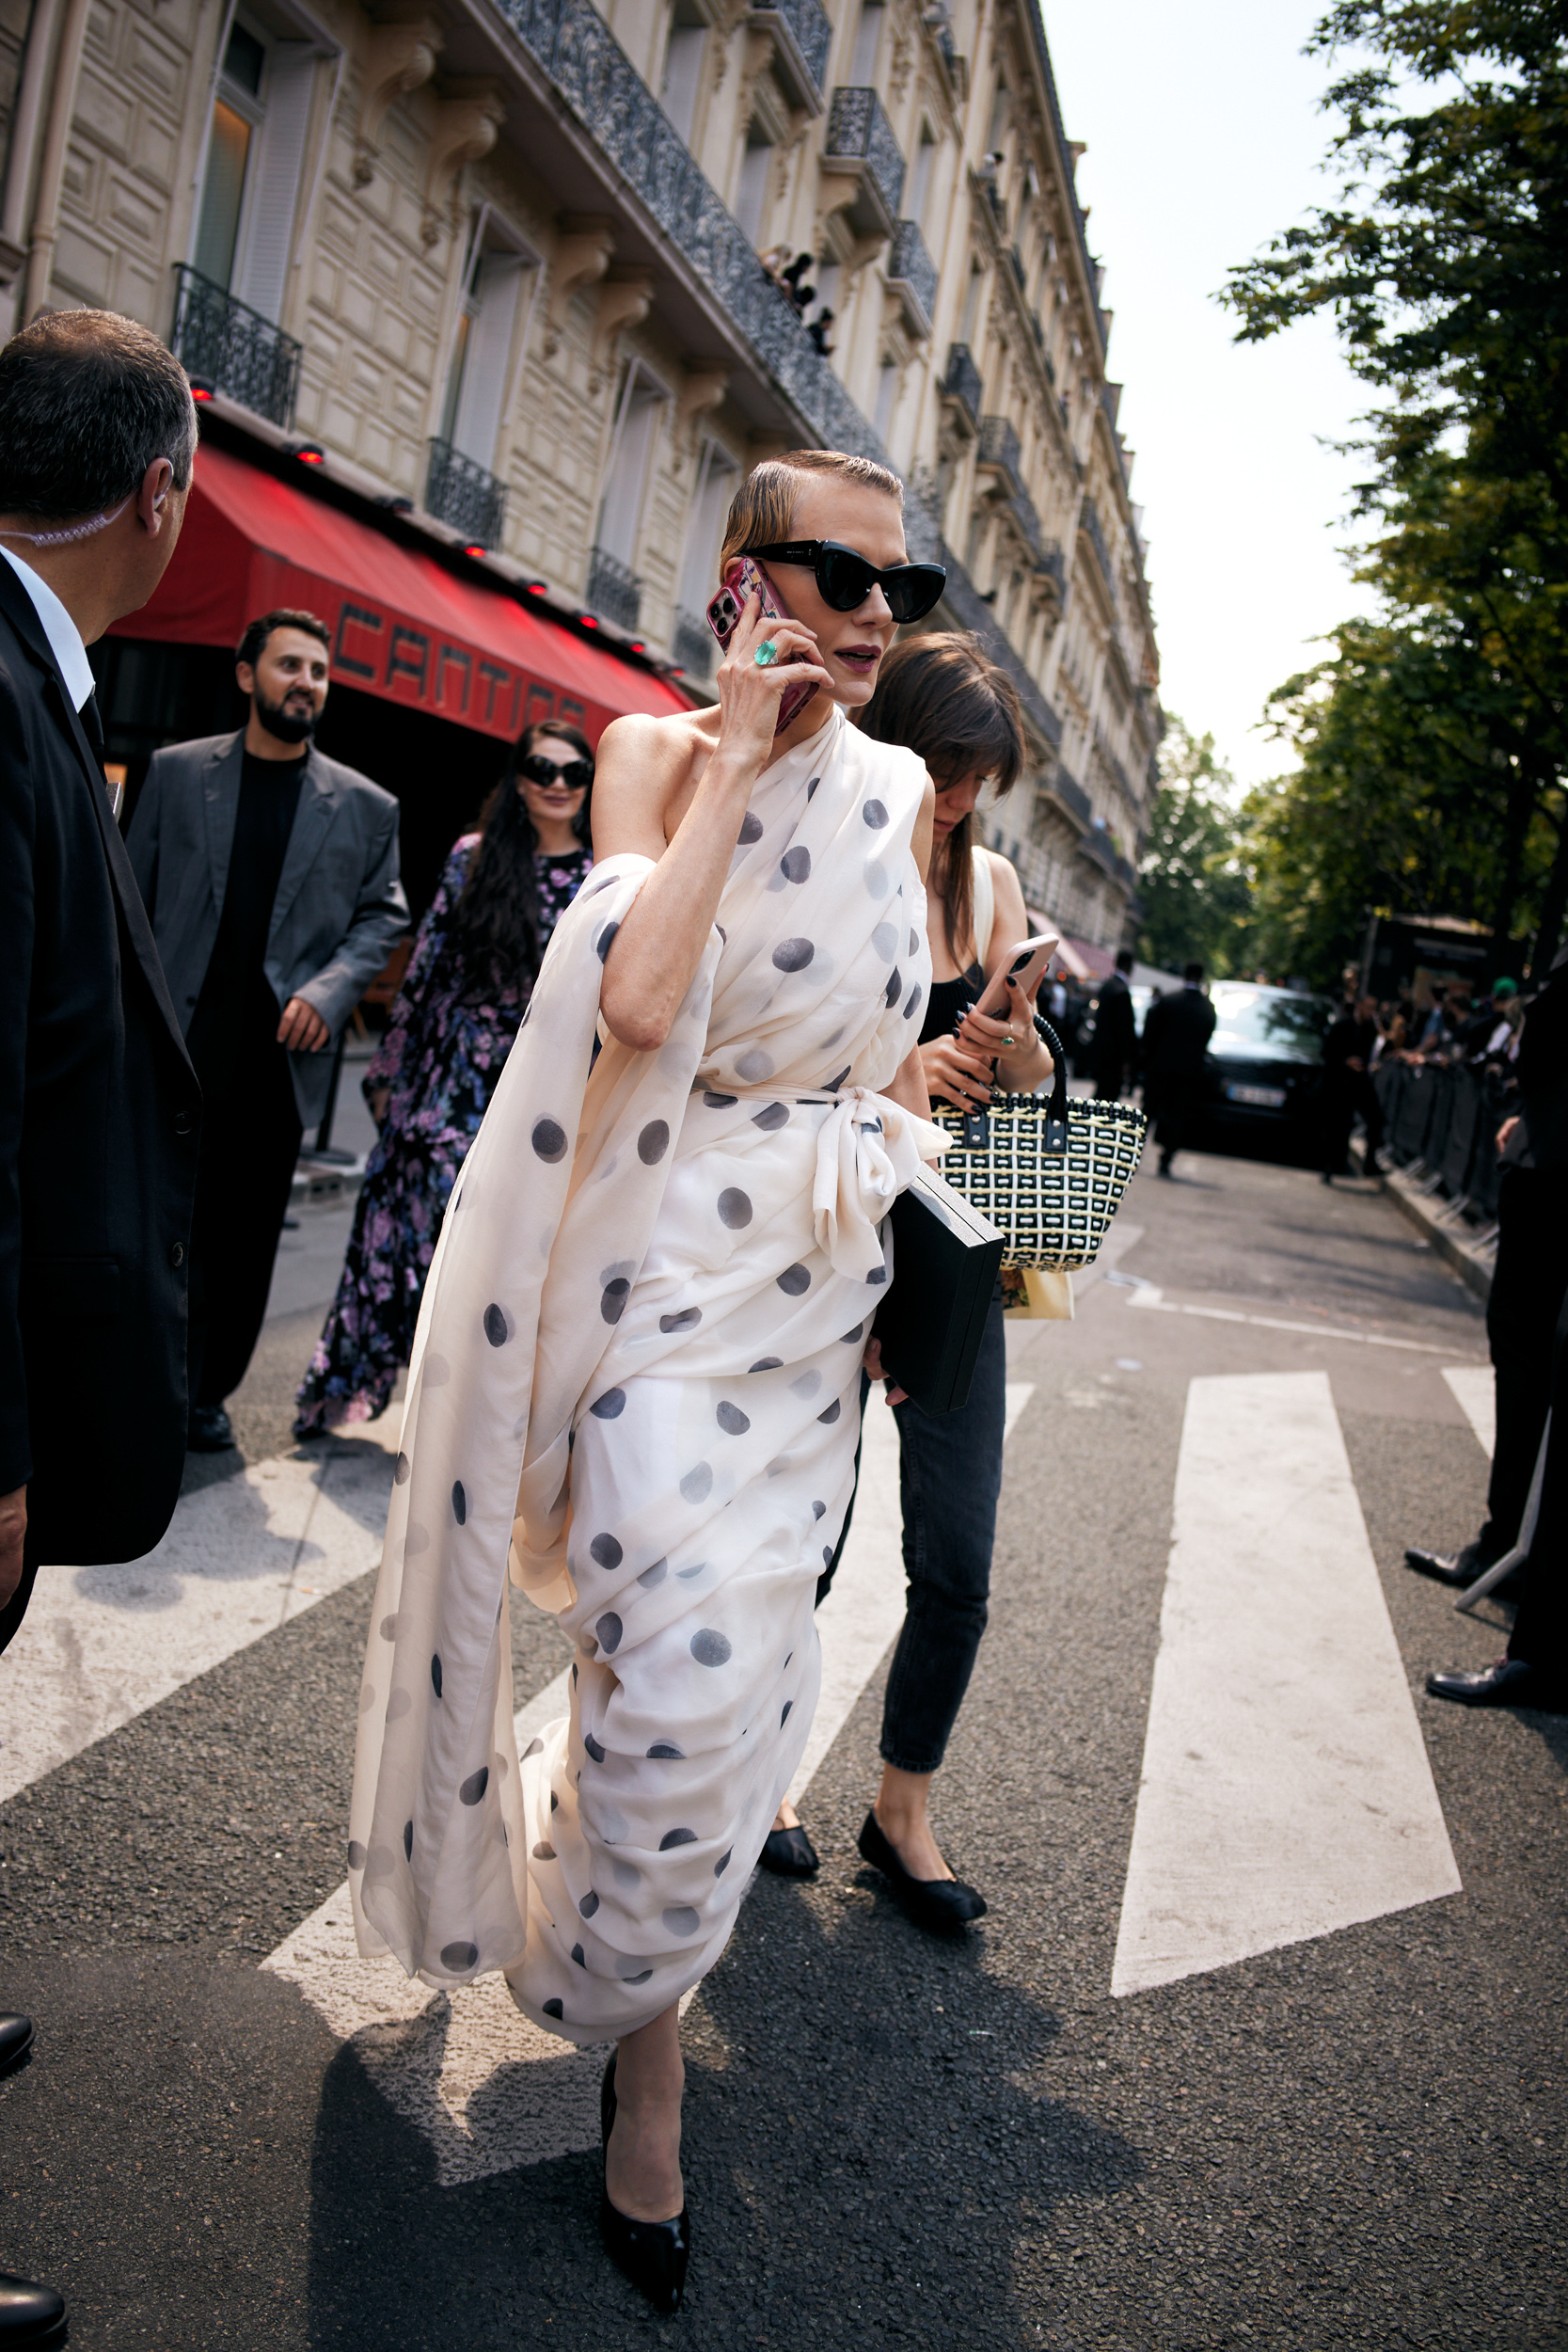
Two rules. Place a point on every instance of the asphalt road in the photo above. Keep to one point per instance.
(1353, 2137)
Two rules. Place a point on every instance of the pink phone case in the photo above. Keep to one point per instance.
(742, 578)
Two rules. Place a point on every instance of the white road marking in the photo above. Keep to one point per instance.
(487, 2089)
(99, 1646)
(1122, 1237)
(1150, 1296)
(1286, 1790)
(1475, 1389)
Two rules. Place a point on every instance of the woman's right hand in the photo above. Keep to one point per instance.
(748, 696)
(963, 1078)
(378, 1102)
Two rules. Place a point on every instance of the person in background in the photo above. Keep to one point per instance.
(99, 1110)
(940, 697)
(465, 991)
(271, 877)
(1177, 1029)
(1347, 1088)
(1114, 1053)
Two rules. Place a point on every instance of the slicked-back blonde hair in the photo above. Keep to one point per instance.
(762, 512)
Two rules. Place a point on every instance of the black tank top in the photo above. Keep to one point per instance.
(947, 1001)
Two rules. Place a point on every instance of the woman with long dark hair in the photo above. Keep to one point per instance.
(940, 697)
(463, 998)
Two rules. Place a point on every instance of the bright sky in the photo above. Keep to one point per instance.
(1203, 138)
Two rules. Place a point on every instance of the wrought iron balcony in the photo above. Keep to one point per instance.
(613, 588)
(463, 494)
(911, 270)
(1098, 847)
(598, 84)
(695, 645)
(1071, 794)
(999, 450)
(860, 136)
(802, 34)
(962, 381)
(233, 348)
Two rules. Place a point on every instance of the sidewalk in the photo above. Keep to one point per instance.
(1472, 1253)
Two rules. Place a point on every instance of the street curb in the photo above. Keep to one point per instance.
(1473, 1266)
(318, 1185)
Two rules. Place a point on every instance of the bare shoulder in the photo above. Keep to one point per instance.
(643, 770)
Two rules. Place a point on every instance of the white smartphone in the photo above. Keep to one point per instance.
(1027, 963)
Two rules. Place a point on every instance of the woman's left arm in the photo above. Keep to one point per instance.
(1024, 1065)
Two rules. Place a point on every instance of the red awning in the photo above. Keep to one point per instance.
(403, 626)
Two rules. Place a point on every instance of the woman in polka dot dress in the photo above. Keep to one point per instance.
(636, 1374)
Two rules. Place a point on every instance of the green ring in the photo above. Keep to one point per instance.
(765, 654)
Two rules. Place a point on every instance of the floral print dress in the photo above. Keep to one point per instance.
(444, 1046)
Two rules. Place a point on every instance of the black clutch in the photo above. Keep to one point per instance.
(945, 1257)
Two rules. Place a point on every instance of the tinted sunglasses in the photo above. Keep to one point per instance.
(845, 579)
(577, 775)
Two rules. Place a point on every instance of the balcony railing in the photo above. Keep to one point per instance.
(597, 82)
(225, 343)
(695, 645)
(859, 132)
(613, 588)
(912, 269)
(461, 494)
(999, 448)
(1071, 793)
(808, 30)
(962, 380)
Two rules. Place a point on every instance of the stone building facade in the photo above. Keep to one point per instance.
(510, 268)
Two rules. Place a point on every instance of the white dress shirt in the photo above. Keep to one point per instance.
(64, 638)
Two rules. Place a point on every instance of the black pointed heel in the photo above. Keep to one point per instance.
(946, 1906)
(789, 1854)
(652, 2254)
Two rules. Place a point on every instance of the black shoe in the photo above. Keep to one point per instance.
(16, 2040)
(943, 1905)
(652, 2254)
(1509, 1683)
(789, 1854)
(208, 1430)
(1459, 1568)
(1165, 1164)
(30, 2315)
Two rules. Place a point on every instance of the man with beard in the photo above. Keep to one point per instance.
(271, 877)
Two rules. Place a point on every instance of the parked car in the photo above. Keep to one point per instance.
(1264, 1064)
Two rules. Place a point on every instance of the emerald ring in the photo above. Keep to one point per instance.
(765, 654)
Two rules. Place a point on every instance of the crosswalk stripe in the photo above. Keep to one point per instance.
(100, 1645)
(1286, 1790)
(1475, 1390)
(1150, 1296)
(486, 2089)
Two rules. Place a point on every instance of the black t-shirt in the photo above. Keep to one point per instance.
(237, 1015)
(948, 1001)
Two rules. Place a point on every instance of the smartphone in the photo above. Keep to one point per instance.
(1027, 963)
(745, 579)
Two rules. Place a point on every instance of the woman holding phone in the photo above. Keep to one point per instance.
(636, 1372)
(940, 697)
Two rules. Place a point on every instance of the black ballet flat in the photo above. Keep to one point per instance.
(789, 1854)
(652, 2254)
(943, 1905)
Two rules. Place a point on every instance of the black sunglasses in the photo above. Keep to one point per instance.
(577, 775)
(845, 579)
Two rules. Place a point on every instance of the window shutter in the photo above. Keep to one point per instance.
(477, 425)
(276, 175)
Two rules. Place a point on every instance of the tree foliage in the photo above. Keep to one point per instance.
(1195, 889)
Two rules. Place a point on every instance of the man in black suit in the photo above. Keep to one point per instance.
(100, 1112)
(1347, 1088)
(1177, 1030)
(1114, 1048)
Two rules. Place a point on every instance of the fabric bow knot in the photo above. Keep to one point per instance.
(868, 1151)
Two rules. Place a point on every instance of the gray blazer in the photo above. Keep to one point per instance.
(340, 906)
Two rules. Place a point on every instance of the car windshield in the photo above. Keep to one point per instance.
(1268, 1023)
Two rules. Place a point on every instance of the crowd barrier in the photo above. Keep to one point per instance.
(1440, 1125)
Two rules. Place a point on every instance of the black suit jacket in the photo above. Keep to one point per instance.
(99, 1114)
(1116, 1029)
(1177, 1029)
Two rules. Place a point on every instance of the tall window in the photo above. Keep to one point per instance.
(751, 196)
(626, 477)
(683, 68)
(481, 351)
(920, 177)
(972, 307)
(887, 393)
(869, 40)
(255, 166)
(716, 477)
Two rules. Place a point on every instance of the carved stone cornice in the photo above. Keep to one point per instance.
(397, 61)
(626, 297)
(467, 122)
(581, 258)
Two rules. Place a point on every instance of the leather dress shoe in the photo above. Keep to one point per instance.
(16, 2040)
(30, 2315)
(943, 1905)
(1459, 1569)
(1508, 1682)
(652, 2254)
(789, 1854)
(208, 1430)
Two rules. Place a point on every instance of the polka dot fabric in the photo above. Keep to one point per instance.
(633, 1385)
